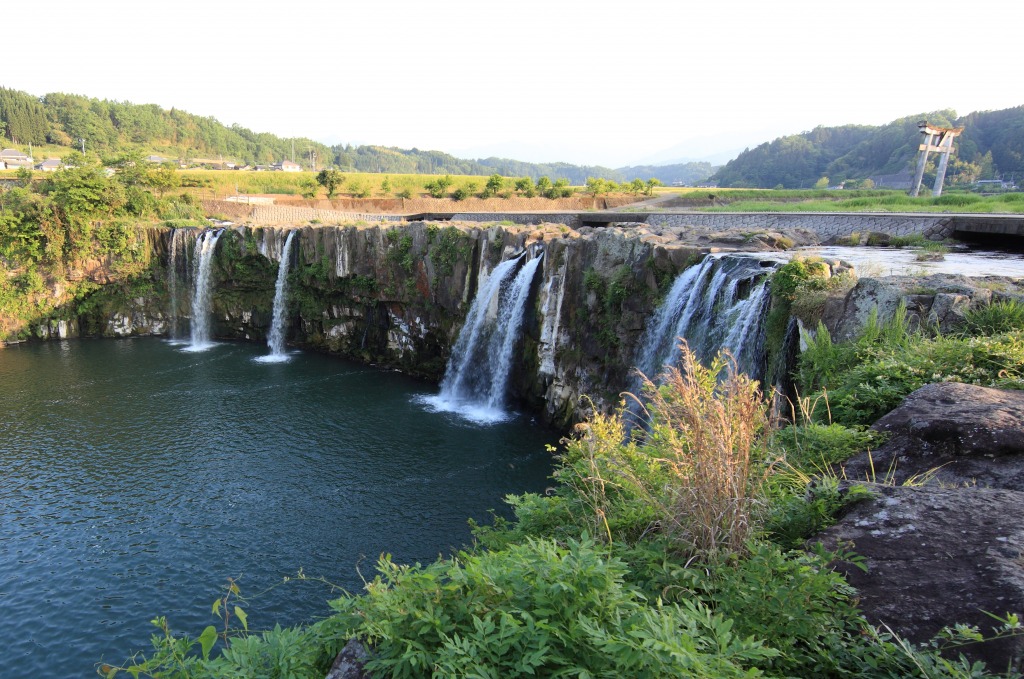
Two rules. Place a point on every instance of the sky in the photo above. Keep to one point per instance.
(594, 82)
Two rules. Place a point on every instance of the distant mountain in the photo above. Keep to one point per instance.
(111, 128)
(680, 174)
(991, 146)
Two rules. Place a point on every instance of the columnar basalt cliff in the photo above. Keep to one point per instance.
(397, 294)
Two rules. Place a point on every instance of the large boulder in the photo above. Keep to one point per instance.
(960, 434)
(946, 549)
(935, 301)
(935, 557)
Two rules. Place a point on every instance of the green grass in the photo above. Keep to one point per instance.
(756, 200)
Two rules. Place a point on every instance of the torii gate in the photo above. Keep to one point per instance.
(939, 139)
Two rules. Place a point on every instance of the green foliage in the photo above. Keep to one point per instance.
(611, 295)
(308, 188)
(524, 186)
(494, 185)
(537, 608)
(813, 447)
(791, 276)
(438, 188)
(597, 186)
(995, 318)
(869, 376)
(331, 180)
(400, 251)
(449, 246)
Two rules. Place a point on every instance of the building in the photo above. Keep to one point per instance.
(286, 166)
(12, 158)
(50, 165)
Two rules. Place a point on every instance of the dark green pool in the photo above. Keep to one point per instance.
(135, 478)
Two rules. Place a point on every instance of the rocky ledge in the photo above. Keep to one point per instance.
(950, 549)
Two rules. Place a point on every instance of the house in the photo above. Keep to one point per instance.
(50, 165)
(901, 180)
(12, 158)
(286, 166)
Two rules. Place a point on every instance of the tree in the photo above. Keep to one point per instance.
(636, 187)
(560, 189)
(308, 188)
(385, 186)
(649, 186)
(330, 180)
(525, 186)
(821, 183)
(164, 179)
(544, 186)
(439, 187)
(596, 186)
(493, 186)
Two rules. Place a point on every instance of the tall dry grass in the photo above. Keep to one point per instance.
(707, 427)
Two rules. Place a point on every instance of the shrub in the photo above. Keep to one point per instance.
(873, 388)
(708, 431)
(995, 318)
(536, 608)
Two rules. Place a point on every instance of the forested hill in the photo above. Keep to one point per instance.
(111, 128)
(991, 147)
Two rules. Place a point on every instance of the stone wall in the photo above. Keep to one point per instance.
(827, 225)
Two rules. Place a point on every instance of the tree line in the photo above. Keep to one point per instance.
(112, 128)
(991, 146)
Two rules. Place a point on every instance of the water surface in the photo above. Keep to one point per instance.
(135, 478)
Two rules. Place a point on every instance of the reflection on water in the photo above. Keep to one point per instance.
(135, 478)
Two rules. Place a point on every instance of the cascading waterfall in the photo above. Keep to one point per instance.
(475, 384)
(718, 304)
(549, 332)
(172, 283)
(202, 292)
(277, 327)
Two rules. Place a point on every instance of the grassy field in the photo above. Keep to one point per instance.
(219, 183)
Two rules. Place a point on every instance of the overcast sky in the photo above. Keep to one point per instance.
(595, 82)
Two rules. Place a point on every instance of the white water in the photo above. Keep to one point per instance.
(277, 326)
(549, 333)
(172, 283)
(718, 304)
(475, 384)
(202, 292)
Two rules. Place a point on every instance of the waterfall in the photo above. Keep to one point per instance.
(172, 283)
(549, 332)
(719, 303)
(202, 293)
(475, 384)
(277, 327)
